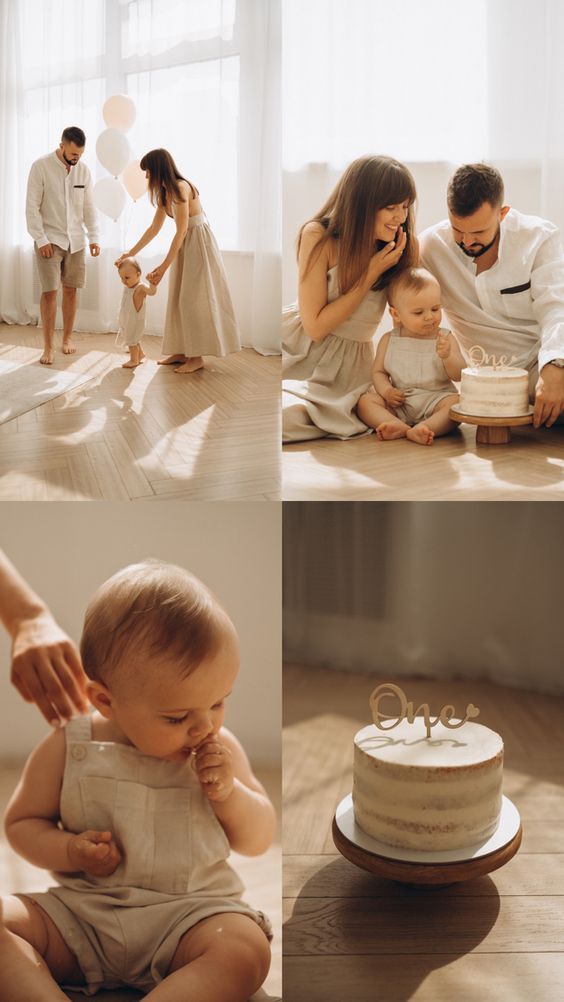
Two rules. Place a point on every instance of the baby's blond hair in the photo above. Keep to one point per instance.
(148, 610)
(130, 260)
(411, 278)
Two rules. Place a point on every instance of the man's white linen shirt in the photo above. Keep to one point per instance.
(59, 204)
(514, 308)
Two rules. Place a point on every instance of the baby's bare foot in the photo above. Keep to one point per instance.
(171, 359)
(68, 347)
(421, 434)
(391, 429)
(47, 356)
(191, 365)
(136, 358)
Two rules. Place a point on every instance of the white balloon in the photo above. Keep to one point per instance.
(134, 180)
(109, 197)
(119, 112)
(112, 150)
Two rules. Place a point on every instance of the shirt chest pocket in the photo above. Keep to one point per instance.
(77, 199)
(516, 301)
(151, 827)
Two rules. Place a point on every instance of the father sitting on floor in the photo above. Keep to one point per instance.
(502, 279)
(59, 207)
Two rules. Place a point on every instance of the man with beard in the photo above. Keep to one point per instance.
(59, 207)
(502, 279)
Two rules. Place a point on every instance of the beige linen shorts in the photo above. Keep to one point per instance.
(131, 944)
(63, 267)
(420, 404)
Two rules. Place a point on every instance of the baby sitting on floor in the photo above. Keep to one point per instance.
(414, 366)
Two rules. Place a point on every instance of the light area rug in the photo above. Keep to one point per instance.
(26, 384)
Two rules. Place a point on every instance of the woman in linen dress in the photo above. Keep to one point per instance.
(200, 319)
(347, 254)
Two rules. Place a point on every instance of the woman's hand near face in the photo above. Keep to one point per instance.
(386, 258)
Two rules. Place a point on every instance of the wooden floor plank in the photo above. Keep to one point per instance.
(210, 436)
(530, 467)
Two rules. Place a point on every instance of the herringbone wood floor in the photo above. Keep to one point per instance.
(144, 433)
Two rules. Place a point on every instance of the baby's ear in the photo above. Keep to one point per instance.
(393, 313)
(101, 698)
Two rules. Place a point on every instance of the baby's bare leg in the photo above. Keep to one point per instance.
(372, 409)
(438, 424)
(33, 954)
(224, 958)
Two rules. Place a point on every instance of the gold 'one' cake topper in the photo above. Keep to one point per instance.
(406, 710)
(478, 356)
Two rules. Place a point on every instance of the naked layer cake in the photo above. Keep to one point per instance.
(436, 793)
(487, 391)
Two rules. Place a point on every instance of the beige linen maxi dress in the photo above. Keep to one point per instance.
(323, 380)
(200, 319)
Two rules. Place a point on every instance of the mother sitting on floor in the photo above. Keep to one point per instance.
(347, 254)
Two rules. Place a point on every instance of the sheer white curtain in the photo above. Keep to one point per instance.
(440, 590)
(406, 78)
(191, 69)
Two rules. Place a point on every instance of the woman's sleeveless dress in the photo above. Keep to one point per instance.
(200, 319)
(323, 380)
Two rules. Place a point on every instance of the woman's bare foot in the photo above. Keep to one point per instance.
(47, 356)
(172, 359)
(421, 434)
(68, 347)
(391, 429)
(191, 364)
(136, 356)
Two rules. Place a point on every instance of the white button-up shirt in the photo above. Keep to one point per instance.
(514, 308)
(59, 204)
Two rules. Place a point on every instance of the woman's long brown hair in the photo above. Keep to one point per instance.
(163, 179)
(369, 184)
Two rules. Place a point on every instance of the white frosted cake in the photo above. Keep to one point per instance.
(436, 793)
(486, 391)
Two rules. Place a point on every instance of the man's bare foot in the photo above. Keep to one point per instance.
(47, 356)
(391, 429)
(172, 359)
(420, 434)
(68, 347)
(191, 365)
(136, 357)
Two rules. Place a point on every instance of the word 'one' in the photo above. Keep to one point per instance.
(405, 709)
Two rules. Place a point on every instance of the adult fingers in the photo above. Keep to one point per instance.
(554, 414)
(52, 674)
(42, 686)
(75, 679)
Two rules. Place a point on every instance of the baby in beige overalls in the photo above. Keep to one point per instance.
(414, 366)
(136, 809)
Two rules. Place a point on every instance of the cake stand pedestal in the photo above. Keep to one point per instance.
(491, 430)
(359, 849)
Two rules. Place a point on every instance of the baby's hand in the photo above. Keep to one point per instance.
(443, 346)
(94, 853)
(394, 397)
(212, 762)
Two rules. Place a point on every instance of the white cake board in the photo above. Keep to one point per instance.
(507, 829)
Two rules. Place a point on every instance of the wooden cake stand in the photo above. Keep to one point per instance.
(491, 430)
(426, 869)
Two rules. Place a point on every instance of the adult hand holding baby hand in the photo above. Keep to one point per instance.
(443, 346)
(94, 853)
(155, 276)
(212, 763)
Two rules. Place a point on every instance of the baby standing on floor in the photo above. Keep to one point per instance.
(200, 319)
(131, 318)
(136, 808)
(414, 366)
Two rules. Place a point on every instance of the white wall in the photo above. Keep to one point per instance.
(65, 550)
